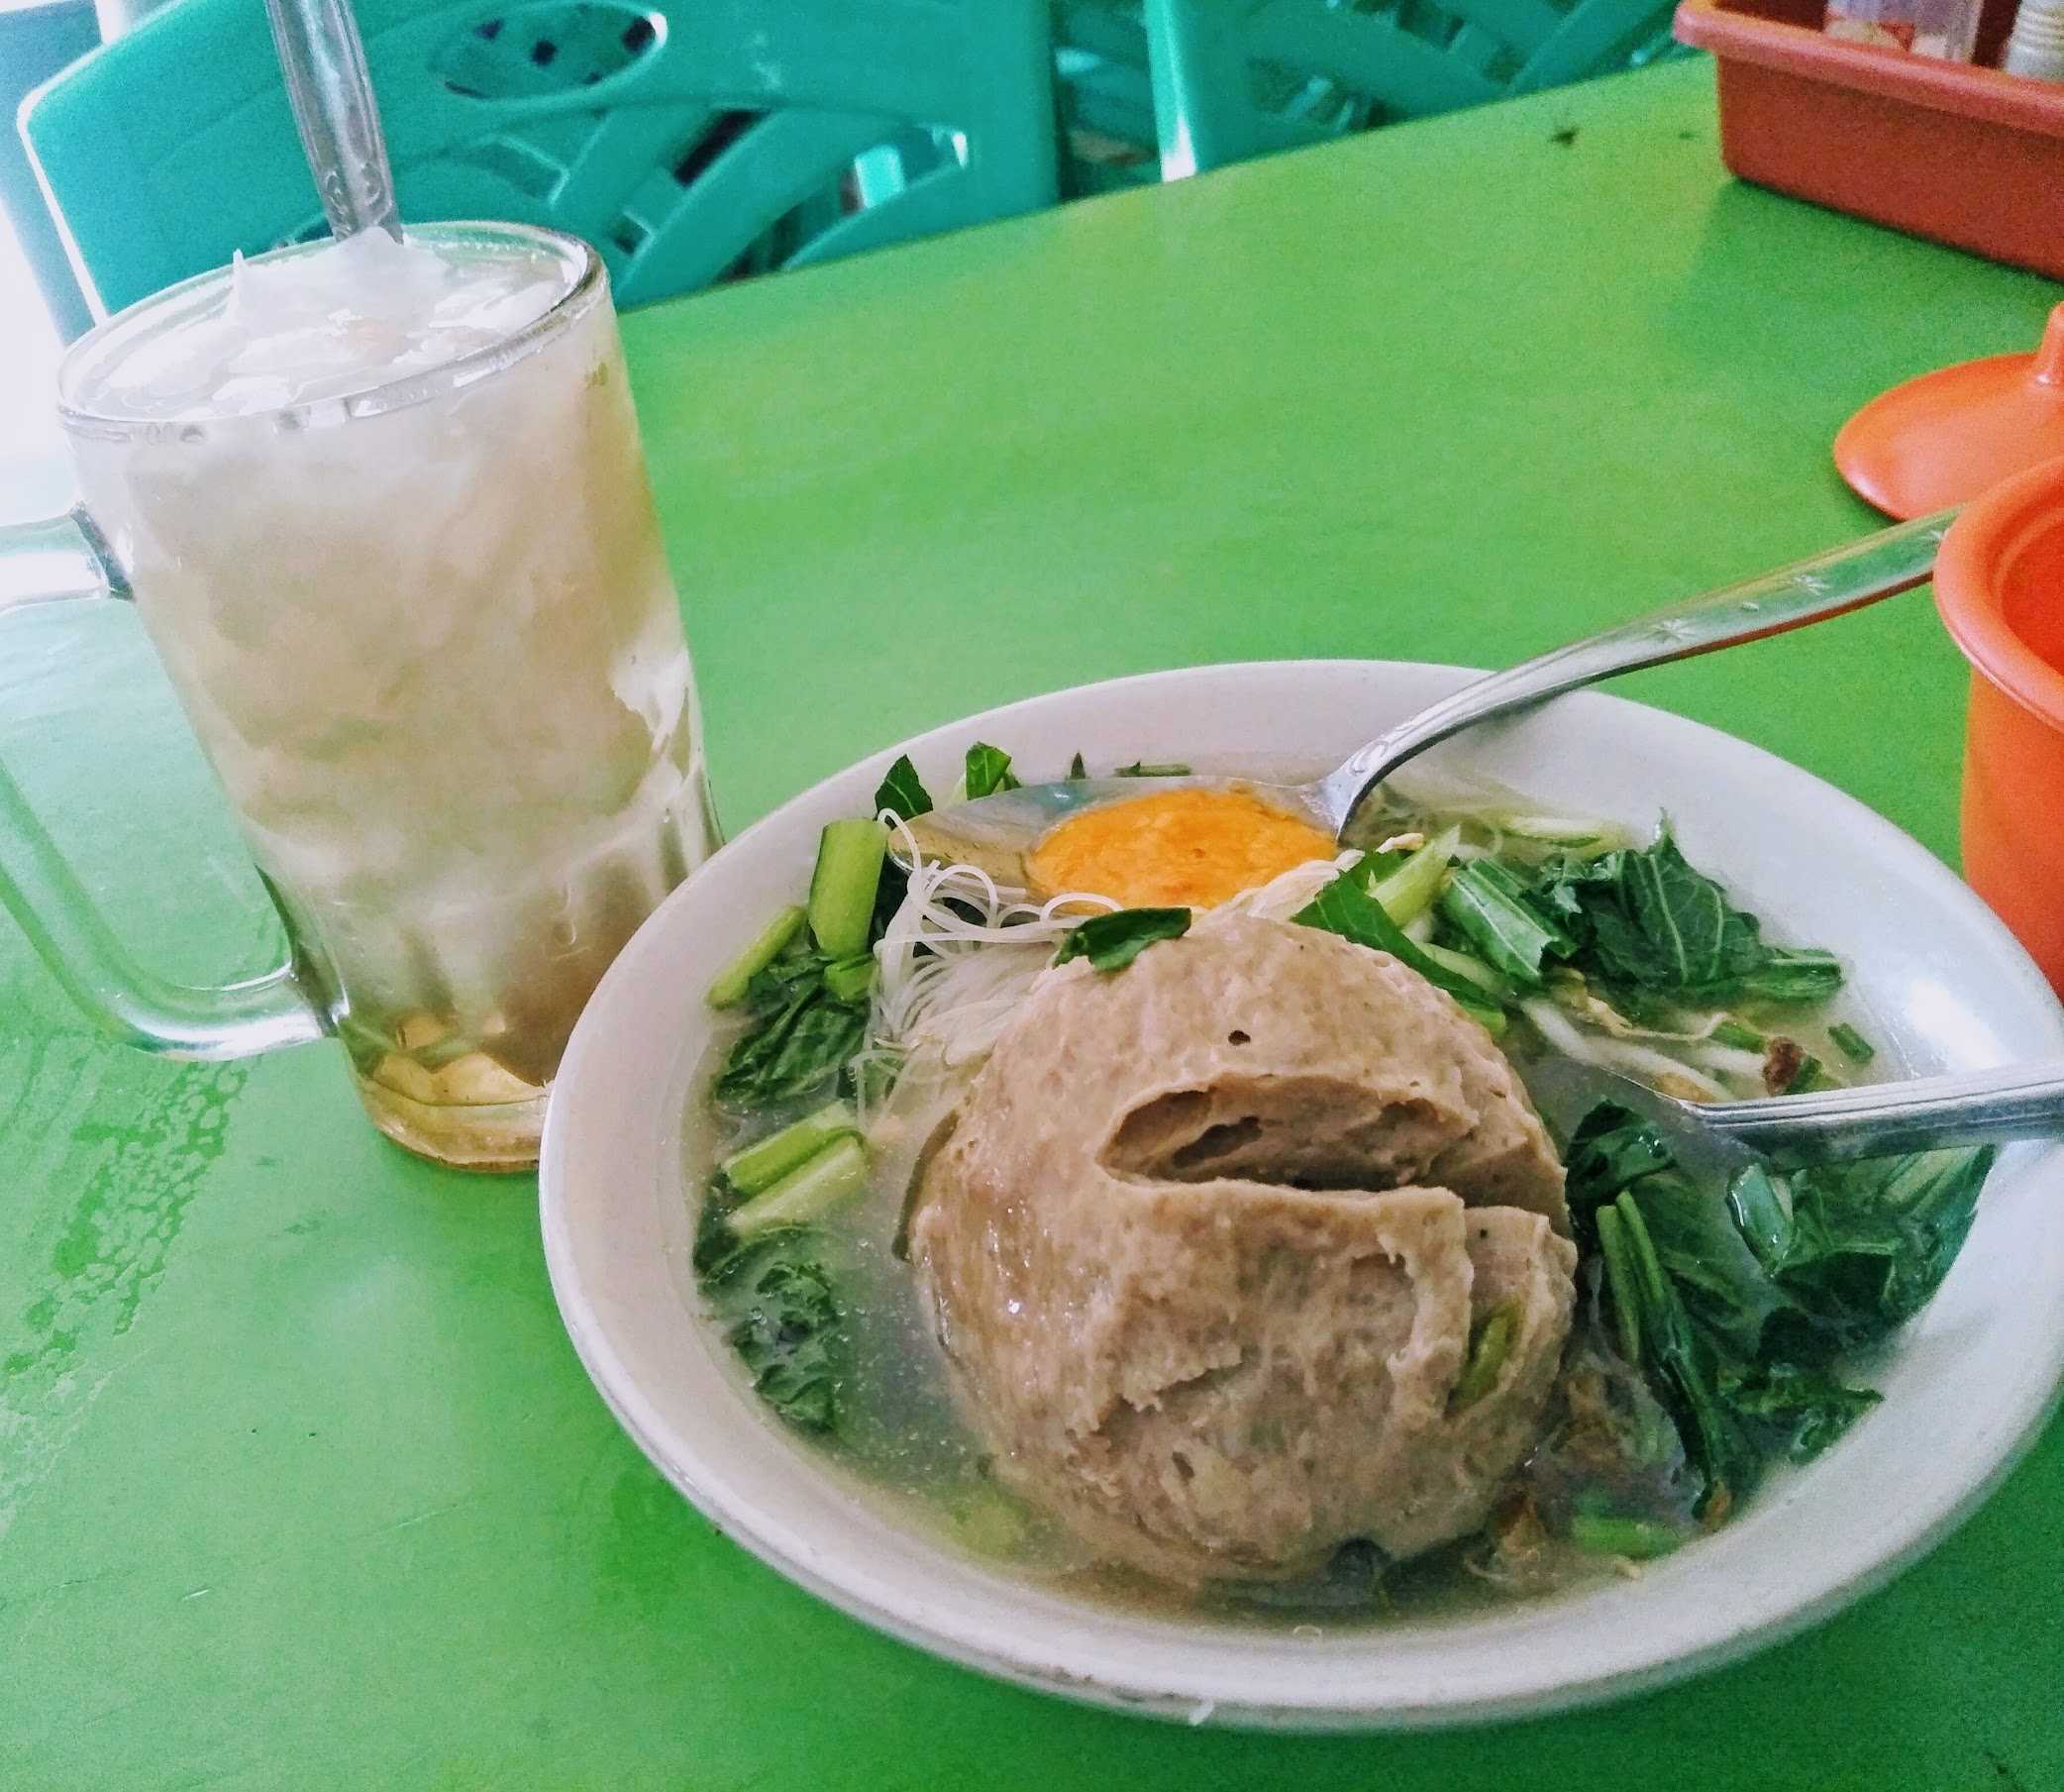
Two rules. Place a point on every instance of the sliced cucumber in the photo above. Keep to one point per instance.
(837, 1172)
(842, 889)
(774, 939)
(760, 1165)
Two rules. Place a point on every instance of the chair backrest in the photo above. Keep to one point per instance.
(683, 141)
(35, 43)
(1235, 79)
(1106, 96)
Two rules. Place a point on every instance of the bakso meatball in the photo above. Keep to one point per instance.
(1205, 1242)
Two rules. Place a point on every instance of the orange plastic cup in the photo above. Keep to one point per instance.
(2000, 587)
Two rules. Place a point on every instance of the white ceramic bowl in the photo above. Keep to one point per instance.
(1969, 1384)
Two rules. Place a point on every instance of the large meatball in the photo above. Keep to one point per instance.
(1205, 1242)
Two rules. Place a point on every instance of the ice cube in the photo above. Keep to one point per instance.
(337, 320)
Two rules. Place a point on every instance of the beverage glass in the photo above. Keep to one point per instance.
(426, 635)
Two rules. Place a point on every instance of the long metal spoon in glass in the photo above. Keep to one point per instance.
(331, 92)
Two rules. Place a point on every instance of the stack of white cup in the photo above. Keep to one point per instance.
(2036, 45)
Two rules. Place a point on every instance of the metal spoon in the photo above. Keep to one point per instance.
(1883, 1119)
(994, 832)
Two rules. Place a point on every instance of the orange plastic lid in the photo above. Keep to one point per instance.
(1948, 436)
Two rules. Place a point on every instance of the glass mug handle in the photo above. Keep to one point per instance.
(65, 558)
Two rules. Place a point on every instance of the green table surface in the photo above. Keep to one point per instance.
(300, 1483)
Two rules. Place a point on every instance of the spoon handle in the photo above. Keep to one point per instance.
(1978, 1107)
(330, 91)
(1843, 578)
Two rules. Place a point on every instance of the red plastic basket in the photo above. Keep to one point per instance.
(1961, 153)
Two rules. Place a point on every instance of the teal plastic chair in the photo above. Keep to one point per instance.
(687, 142)
(1106, 94)
(1237, 79)
(35, 41)
(1105, 100)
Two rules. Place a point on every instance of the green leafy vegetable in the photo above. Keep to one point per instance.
(1498, 989)
(1854, 1046)
(1624, 1277)
(1346, 908)
(1143, 769)
(1657, 1335)
(888, 897)
(850, 978)
(989, 770)
(1076, 769)
(1490, 1344)
(1865, 1246)
(1112, 941)
(1809, 1075)
(1657, 922)
(790, 1336)
(777, 1301)
(1646, 917)
(1374, 867)
(1611, 1149)
(902, 792)
(1790, 973)
(1741, 1037)
(1794, 1413)
(1689, 1299)
(1641, 1540)
(1734, 1310)
(716, 1254)
(1406, 888)
(800, 1040)
(1760, 1210)
(1490, 907)
(1716, 1273)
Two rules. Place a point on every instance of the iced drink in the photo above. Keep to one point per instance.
(385, 513)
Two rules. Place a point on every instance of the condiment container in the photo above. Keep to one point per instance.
(1999, 587)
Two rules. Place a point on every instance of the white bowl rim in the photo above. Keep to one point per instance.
(903, 1611)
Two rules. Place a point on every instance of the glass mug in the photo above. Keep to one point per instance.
(427, 638)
